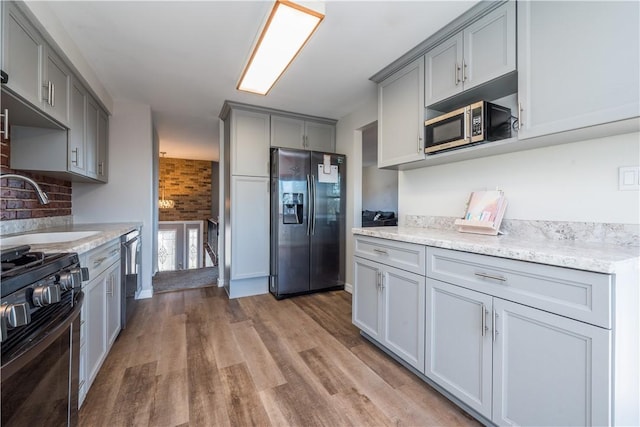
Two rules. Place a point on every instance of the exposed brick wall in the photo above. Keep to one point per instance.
(188, 184)
(18, 200)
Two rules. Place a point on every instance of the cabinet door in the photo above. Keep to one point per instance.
(112, 294)
(22, 55)
(401, 116)
(250, 227)
(582, 77)
(403, 315)
(102, 157)
(459, 343)
(287, 132)
(367, 306)
(56, 82)
(91, 139)
(249, 143)
(443, 70)
(96, 342)
(549, 370)
(490, 46)
(320, 137)
(77, 131)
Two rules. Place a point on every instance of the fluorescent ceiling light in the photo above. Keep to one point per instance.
(288, 28)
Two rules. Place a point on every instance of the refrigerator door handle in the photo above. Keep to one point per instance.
(308, 205)
(313, 188)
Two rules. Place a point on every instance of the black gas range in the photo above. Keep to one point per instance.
(40, 306)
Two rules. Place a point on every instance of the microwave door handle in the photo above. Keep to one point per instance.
(467, 122)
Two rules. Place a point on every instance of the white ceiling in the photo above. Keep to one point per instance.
(184, 58)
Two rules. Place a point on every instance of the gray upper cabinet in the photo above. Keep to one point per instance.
(401, 116)
(36, 73)
(103, 146)
(290, 132)
(585, 76)
(22, 53)
(483, 51)
(56, 83)
(91, 141)
(77, 133)
(249, 143)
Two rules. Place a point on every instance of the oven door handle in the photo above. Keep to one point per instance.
(22, 359)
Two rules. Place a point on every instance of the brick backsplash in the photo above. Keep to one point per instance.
(188, 184)
(18, 199)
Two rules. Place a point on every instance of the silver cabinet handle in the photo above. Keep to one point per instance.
(5, 130)
(381, 280)
(99, 261)
(75, 156)
(419, 143)
(495, 324)
(489, 276)
(483, 321)
(464, 71)
(110, 288)
(519, 115)
(114, 251)
(53, 95)
(456, 73)
(380, 251)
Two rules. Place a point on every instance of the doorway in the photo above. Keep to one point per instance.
(379, 186)
(187, 204)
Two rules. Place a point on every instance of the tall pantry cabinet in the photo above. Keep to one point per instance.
(246, 213)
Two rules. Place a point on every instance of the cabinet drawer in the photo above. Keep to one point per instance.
(102, 257)
(406, 256)
(577, 294)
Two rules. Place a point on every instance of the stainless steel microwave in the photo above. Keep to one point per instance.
(473, 124)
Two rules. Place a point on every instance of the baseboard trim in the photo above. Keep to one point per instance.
(348, 287)
(145, 294)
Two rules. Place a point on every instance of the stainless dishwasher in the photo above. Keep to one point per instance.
(130, 269)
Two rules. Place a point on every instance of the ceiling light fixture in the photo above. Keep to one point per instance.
(288, 28)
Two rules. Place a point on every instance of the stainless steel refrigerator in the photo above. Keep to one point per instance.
(307, 221)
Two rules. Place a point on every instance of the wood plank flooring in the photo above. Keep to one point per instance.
(196, 358)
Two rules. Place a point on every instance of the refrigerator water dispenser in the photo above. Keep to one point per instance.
(292, 208)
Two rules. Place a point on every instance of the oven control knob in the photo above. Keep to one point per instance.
(45, 295)
(72, 278)
(15, 314)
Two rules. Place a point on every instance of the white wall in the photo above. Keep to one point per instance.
(570, 182)
(129, 194)
(349, 142)
(379, 189)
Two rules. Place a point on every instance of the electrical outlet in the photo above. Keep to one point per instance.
(629, 178)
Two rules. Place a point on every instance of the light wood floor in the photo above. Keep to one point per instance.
(197, 358)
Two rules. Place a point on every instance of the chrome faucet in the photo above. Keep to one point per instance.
(42, 196)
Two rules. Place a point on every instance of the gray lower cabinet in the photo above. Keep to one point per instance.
(583, 77)
(100, 315)
(532, 342)
(389, 306)
(514, 364)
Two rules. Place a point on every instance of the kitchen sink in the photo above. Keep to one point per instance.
(45, 238)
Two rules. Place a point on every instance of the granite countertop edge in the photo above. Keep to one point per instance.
(595, 257)
(107, 233)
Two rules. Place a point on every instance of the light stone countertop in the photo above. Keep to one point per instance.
(602, 258)
(107, 233)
